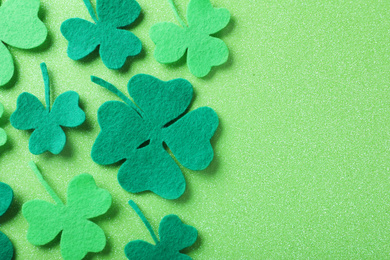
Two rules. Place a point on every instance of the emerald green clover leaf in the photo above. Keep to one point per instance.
(20, 27)
(116, 44)
(174, 237)
(136, 132)
(203, 50)
(3, 134)
(6, 196)
(48, 134)
(79, 234)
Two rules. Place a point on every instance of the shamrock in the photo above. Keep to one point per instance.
(204, 51)
(136, 132)
(20, 27)
(174, 236)
(79, 235)
(3, 135)
(115, 44)
(6, 196)
(48, 134)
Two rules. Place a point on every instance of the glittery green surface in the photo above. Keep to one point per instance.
(301, 166)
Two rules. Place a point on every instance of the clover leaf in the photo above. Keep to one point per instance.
(174, 237)
(3, 135)
(48, 134)
(20, 27)
(79, 234)
(115, 44)
(136, 132)
(203, 50)
(6, 196)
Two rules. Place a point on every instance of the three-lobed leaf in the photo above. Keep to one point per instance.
(203, 51)
(79, 235)
(174, 237)
(19, 27)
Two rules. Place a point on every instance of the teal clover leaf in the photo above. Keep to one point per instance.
(3, 135)
(6, 196)
(116, 44)
(48, 134)
(135, 132)
(174, 237)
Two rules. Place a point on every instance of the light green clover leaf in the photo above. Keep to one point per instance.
(79, 234)
(136, 132)
(20, 27)
(203, 50)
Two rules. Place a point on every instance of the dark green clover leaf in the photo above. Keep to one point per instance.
(3, 134)
(48, 134)
(6, 196)
(174, 237)
(136, 133)
(116, 44)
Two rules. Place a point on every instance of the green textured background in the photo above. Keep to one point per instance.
(302, 152)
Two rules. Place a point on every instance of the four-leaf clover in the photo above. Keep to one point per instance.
(20, 27)
(174, 237)
(79, 235)
(115, 44)
(136, 133)
(203, 50)
(6, 196)
(48, 134)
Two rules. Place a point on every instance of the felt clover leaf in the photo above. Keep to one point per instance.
(48, 134)
(6, 196)
(79, 235)
(203, 50)
(174, 236)
(136, 132)
(115, 44)
(3, 135)
(20, 27)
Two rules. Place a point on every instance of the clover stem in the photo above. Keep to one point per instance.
(46, 81)
(146, 222)
(51, 192)
(116, 91)
(90, 10)
(176, 13)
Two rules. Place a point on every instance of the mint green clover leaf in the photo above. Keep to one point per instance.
(203, 51)
(48, 134)
(115, 44)
(174, 237)
(79, 234)
(136, 132)
(20, 27)
(3, 135)
(6, 196)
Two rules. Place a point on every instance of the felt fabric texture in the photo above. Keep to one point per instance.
(136, 132)
(3, 134)
(19, 27)
(79, 235)
(115, 44)
(203, 51)
(48, 134)
(174, 237)
(6, 196)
